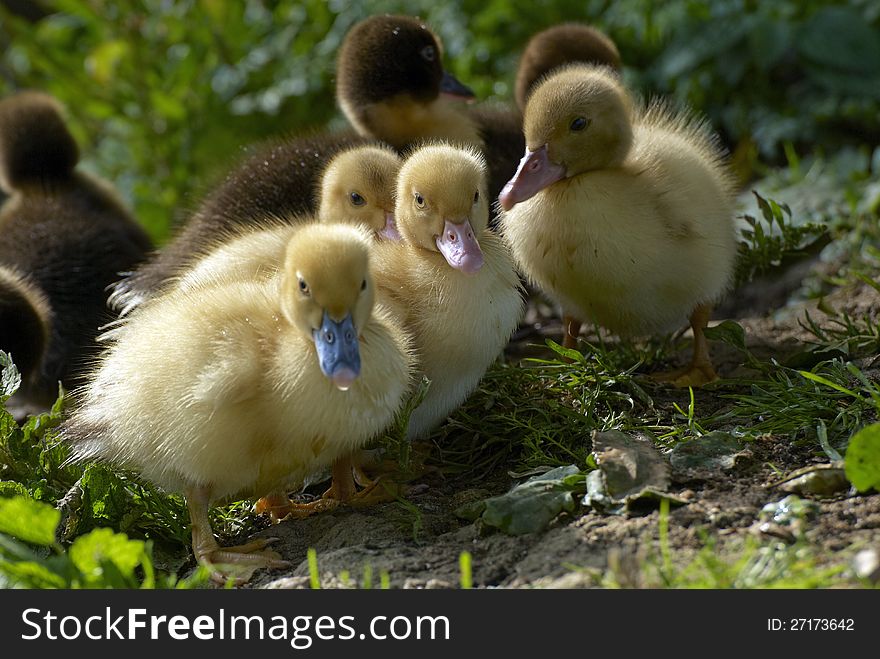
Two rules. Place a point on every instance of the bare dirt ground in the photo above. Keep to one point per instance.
(419, 547)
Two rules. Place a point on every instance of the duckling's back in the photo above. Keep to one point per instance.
(66, 232)
(279, 180)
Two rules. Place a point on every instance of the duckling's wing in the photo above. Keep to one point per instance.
(232, 373)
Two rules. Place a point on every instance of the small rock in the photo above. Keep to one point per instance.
(819, 480)
(867, 565)
(774, 531)
(289, 583)
(437, 584)
(570, 580)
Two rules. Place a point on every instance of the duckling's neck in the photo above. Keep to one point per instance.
(402, 121)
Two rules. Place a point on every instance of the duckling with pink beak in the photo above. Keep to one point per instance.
(451, 279)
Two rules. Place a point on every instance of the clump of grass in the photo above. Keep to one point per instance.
(541, 413)
(790, 402)
(752, 564)
(853, 336)
(773, 240)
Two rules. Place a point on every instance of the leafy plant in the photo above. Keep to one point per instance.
(100, 558)
(863, 458)
(780, 242)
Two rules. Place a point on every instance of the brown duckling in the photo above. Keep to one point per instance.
(391, 85)
(422, 100)
(25, 319)
(623, 214)
(280, 179)
(357, 188)
(246, 387)
(557, 46)
(66, 236)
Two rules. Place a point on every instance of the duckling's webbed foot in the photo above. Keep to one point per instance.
(700, 371)
(342, 489)
(239, 562)
(347, 476)
(279, 507)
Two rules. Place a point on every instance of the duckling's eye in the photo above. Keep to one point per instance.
(303, 287)
(578, 124)
(428, 53)
(420, 200)
(356, 199)
(476, 196)
(364, 285)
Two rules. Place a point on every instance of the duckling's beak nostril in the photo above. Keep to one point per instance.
(460, 248)
(535, 172)
(338, 351)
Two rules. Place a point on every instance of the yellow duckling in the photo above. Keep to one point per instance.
(357, 187)
(623, 215)
(451, 278)
(242, 388)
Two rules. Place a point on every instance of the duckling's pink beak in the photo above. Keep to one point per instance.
(535, 172)
(460, 248)
(390, 231)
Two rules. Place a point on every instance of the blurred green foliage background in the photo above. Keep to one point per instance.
(163, 94)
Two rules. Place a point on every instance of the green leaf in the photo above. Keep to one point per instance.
(29, 520)
(104, 556)
(729, 332)
(531, 506)
(828, 383)
(11, 489)
(31, 574)
(566, 353)
(862, 461)
(713, 451)
(768, 42)
(10, 378)
(841, 39)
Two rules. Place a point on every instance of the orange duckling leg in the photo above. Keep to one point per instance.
(343, 489)
(700, 370)
(571, 327)
(207, 551)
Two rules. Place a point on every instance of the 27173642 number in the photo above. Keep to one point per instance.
(811, 624)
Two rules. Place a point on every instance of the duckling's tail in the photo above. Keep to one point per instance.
(24, 322)
(35, 145)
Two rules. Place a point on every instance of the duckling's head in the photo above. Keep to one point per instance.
(35, 145)
(328, 294)
(358, 187)
(442, 204)
(386, 59)
(560, 45)
(577, 120)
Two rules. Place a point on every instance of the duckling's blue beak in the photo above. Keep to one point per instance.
(535, 172)
(451, 86)
(460, 248)
(338, 354)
